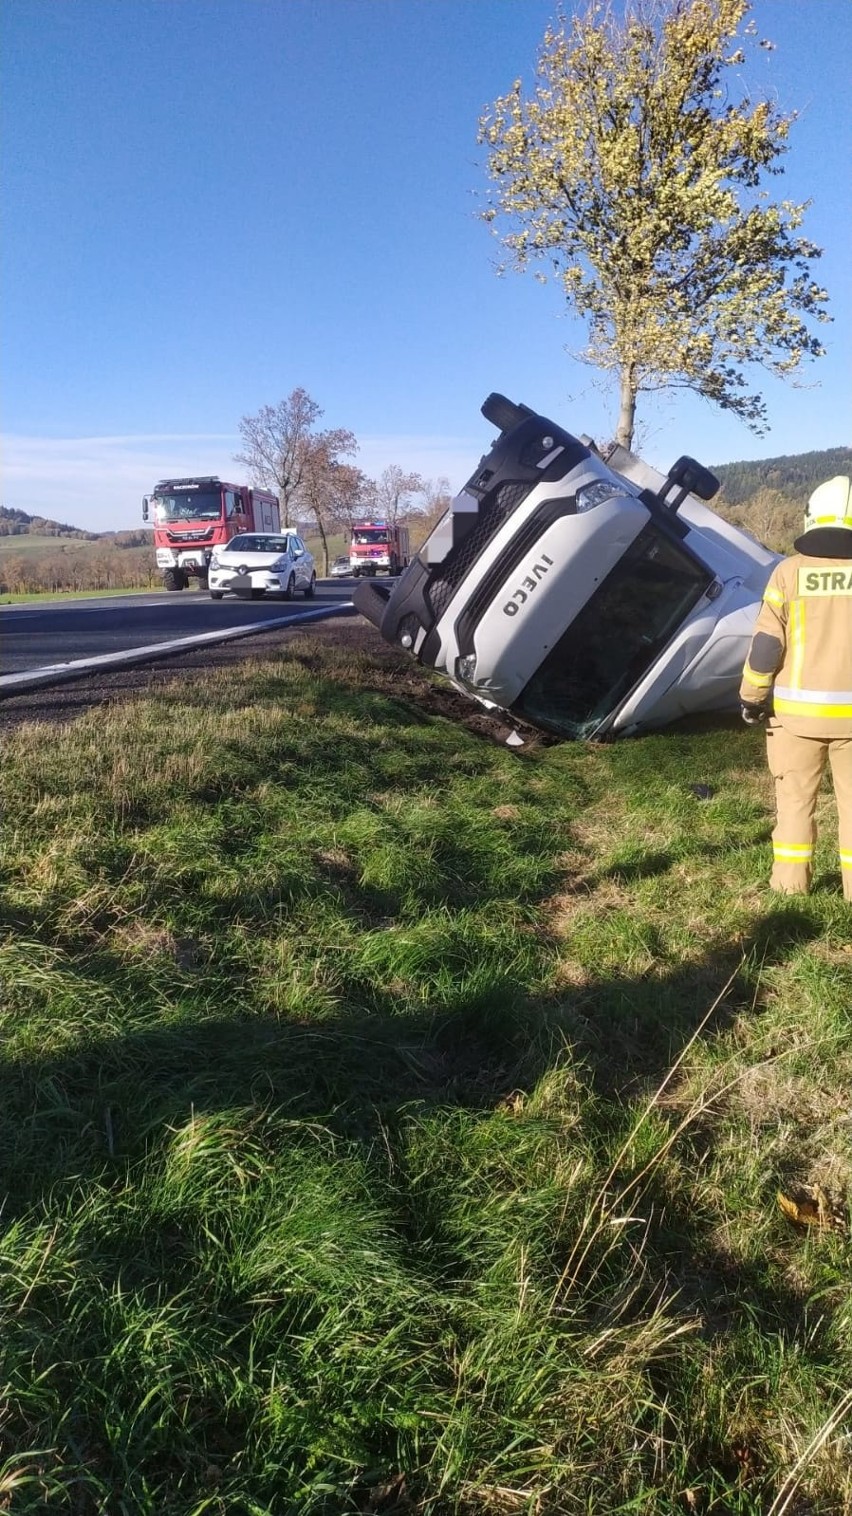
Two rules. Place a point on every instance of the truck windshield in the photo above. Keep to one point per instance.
(187, 505)
(616, 637)
(367, 539)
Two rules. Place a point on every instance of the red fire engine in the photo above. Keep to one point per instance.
(378, 548)
(193, 516)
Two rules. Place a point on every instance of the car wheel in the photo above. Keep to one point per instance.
(217, 594)
(310, 587)
(291, 588)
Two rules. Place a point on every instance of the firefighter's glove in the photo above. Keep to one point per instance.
(753, 715)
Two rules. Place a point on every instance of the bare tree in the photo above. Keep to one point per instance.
(277, 446)
(354, 496)
(326, 479)
(393, 491)
(15, 568)
(437, 498)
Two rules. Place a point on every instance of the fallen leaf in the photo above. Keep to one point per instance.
(813, 1208)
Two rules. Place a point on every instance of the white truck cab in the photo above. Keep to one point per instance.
(587, 594)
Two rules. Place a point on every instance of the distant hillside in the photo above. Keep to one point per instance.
(767, 496)
(795, 476)
(14, 523)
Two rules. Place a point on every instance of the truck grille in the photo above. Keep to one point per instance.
(450, 574)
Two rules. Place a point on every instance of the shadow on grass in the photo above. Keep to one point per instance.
(652, 863)
(84, 1132)
(355, 1070)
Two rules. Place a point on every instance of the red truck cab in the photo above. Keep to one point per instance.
(378, 548)
(191, 517)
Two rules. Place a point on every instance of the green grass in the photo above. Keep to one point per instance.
(392, 1123)
(31, 543)
(37, 595)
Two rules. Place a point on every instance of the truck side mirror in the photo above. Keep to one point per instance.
(145, 506)
(694, 478)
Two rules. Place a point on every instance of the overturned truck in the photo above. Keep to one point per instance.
(581, 591)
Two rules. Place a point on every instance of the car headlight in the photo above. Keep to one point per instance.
(466, 670)
(279, 565)
(590, 495)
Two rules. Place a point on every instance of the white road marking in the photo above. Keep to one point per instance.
(57, 673)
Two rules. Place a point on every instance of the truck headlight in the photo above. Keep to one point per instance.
(590, 495)
(466, 670)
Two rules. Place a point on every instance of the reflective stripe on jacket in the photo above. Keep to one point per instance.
(802, 647)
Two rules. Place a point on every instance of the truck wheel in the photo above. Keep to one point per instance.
(173, 579)
(291, 588)
(310, 588)
(217, 594)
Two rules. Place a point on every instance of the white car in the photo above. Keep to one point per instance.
(255, 564)
(341, 567)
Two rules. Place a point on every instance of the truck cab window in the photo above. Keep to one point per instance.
(616, 637)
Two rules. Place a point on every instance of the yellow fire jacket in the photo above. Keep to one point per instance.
(801, 651)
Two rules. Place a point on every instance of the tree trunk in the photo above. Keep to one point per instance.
(324, 540)
(627, 406)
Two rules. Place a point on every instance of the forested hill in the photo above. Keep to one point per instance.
(14, 523)
(795, 476)
(767, 496)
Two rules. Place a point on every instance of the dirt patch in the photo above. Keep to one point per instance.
(376, 664)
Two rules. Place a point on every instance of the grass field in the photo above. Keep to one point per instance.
(37, 596)
(35, 545)
(394, 1123)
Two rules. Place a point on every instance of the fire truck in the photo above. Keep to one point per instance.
(193, 516)
(377, 547)
(579, 589)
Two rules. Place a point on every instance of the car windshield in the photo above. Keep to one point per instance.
(188, 505)
(246, 544)
(616, 637)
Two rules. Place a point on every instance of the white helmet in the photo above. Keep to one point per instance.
(830, 504)
(828, 520)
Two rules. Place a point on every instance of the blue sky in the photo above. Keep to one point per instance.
(210, 202)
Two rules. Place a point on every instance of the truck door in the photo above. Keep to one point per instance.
(234, 513)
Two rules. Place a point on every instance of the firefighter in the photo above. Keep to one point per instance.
(800, 662)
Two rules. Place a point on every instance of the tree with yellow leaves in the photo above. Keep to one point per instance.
(631, 171)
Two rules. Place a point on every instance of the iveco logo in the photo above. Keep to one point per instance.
(525, 589)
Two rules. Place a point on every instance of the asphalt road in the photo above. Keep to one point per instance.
(35, 636)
